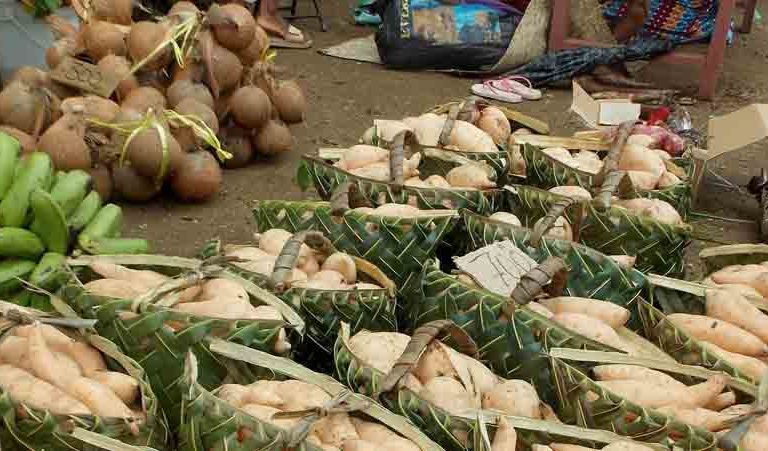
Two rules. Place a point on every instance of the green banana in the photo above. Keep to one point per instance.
(20, 243)
(35, 173)
(49, 224)
(9, 156)
(69, 190)
(85, 212)
(112, 246)
(106, 224)
(11, 271)
(50, 272)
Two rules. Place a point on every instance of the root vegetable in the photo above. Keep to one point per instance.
(729, 305)
(721, 333)
(259, 392)
(607, 312)
(335, 429)
(298, 395)
(289, 101)
(560, 154)
(232, 24)
(250, 107)
(642, 141)
(64, 142)
(13, 350)
(361, 155)
(143, 279)
(434, 362)
(560, 230)
(148, 157)
(448, 394)
(637, 373)
(144, 98)
(567, 447)
(28, 144)
(273, 138)
(102, 38)
(703, 418)
(751, 366)
(652, 395)
(99, 398)
(643, 180)
(225, 289)
(513, 397)
(494, 122)
(655, 208)
(626, 446)
(112, 288)
(722, 401)
(43, 362)
(124, 386)
(142, 41)
(185, 136)
(87, 357)
(575, 192)
(437, 181)
(24, 387)
(470, 176)
(187, 89)
(343, 264)
(382, 436)
(540, 309)
(54, 338)
(592, 328)
(505, 438)
(627, 261)
(754, 441)
(132, 186)
(638, 158)
(668, 179)
(508, 218)
(587, 161)
(331, 277)
(236, 141)
(396, 210)
(265, 413)
(384, 130)
(378, 350)
(755, 276)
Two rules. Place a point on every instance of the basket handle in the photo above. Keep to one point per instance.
(422, 336)
(347, 196)
(397, 157)
(286, 261)
(555, 211)
(610, 185)
(607, 178)
(550, 276)
(344, 402)
(461, 111)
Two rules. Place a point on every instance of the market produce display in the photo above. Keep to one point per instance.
(44, 216)
(192, 91)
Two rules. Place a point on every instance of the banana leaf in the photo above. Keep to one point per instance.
(398, 246)
(658, 247)
(585, 403)
(669, 296)
(467, 431)
(327, 179)
(210, 423)
(26, 427)
(158, 336)
(323, 310)
(547, 172)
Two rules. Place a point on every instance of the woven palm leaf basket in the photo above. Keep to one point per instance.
(400, 180)
(100, 399)
(157, 329)
(287, 407)
(654, 401)
(364, 297)
(449, 394)
(545, 170)
(397, 245)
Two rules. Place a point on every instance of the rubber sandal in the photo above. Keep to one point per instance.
(519, 85)
(490, 92)
(363, 17)
(295, 39)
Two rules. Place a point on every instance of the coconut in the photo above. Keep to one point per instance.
(250, 107)
(20, 105)
(115, 11)
(145, 152)
(289, 101)
(225, 66)
(89, 106)
(254, 51)
(143, 39)
(64, 141)
(119, 67)
(236, 141)
(131, 186)
(183, 10)
(232, 24)
(185, 135)
(61, 48)
(27, 143)
(101, 39)
(102, 181)
(187, 89)
(144, 98)
(273, 138)
(198, 178)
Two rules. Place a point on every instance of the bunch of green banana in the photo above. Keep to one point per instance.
(44, 216)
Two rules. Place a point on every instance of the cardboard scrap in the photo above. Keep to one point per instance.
(497, 267)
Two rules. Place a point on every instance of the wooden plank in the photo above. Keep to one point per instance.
(526, 121)
(560, 141)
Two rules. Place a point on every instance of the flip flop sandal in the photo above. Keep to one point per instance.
(487, 90)
(363, 17)
(295, 39)
(519, 85)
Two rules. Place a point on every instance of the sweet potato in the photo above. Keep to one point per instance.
(703, 418)
(729, 305)
(25, 387)
(382, 436)
(721, 333)
(513, 397)
(607, 312)
(448, 394)
(634, 372)
(434, 362)
(505, 438)
(44, 364)
(112, 288)
(335, 429)
(99, 398)
(89, 359)
(124, 386)
(752, 367)
(140, 278)
(653, 395)
(378, 350)
(591, 328)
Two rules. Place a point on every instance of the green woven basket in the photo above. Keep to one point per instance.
(28, 428)
(158, 336)
(587, 404)
(546, 172)
(471, 431)
(658, 247)
(323, 310)
(669, 296)
(398, 246)
(210, 423)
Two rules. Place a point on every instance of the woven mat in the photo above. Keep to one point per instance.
(358, 49)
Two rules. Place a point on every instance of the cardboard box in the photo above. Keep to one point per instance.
(597, 113)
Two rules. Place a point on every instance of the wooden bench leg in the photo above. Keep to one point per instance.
(710, 71)
(749, 15)
(560, 24)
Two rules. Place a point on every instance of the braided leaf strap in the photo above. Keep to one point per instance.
(344, 402)
(418, 344)
(550, 277)
(555, 211)
(286, 261)
(609, 176)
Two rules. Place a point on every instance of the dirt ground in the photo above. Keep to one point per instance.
(345, 97)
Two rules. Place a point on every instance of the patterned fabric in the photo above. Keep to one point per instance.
(677, 20)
